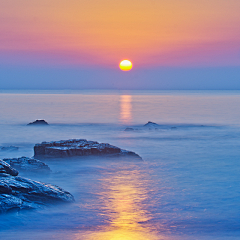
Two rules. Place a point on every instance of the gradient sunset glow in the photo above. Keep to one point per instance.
(97, 33)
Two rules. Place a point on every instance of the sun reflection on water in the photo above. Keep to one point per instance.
(126, 108)
(123, 199)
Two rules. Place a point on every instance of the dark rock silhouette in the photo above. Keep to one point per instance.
(28, 164)
(21, 193)
(151, 125)
(79, 147)
(38, 123)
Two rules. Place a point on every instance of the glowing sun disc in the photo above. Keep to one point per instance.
(125, 65)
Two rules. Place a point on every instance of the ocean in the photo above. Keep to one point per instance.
(186, 187)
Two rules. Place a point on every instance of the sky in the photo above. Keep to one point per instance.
(78, 44)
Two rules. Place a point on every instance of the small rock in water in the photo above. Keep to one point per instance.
(151, 124)
(129, 129)
(9, 148)
(79, 147)
(28, 164)
(38, 123)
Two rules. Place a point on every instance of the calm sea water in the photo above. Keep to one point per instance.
(187, 187)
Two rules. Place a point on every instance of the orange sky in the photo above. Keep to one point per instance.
(94, 32)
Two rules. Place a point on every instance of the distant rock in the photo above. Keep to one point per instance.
(148, 126)
(9, 148)
(151, 125)
(128, 129)
(79, 147)
(28, 164)
(20, 193)
(38, 123)
(6, 168)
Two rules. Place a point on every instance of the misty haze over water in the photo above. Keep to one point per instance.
(187, 187)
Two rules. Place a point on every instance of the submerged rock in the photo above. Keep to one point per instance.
(9, 148)
(78, 147)
(28, 164)
(22, 193)
(148, 126)
(128, 129)
(38, 123)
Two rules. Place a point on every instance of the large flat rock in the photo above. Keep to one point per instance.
(79, 147)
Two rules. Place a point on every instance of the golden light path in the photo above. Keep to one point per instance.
(125, 65)
(123, 195)
(126, 108)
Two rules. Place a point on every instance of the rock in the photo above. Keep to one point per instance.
(9, 148)
(78, 147)
(22, 193)
(147, 126)
(129, 129)
(4, 188)
(151, 125)
(38, 123)
(6, 168)
(28, 164)
(9, 202)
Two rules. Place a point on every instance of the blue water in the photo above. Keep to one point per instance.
(187, 187)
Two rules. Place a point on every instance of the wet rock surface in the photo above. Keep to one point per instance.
(79, 147)
(18, 193)
(38, 123)
(28, 164)
(6, 168)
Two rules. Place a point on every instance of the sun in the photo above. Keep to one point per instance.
(125, 65)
